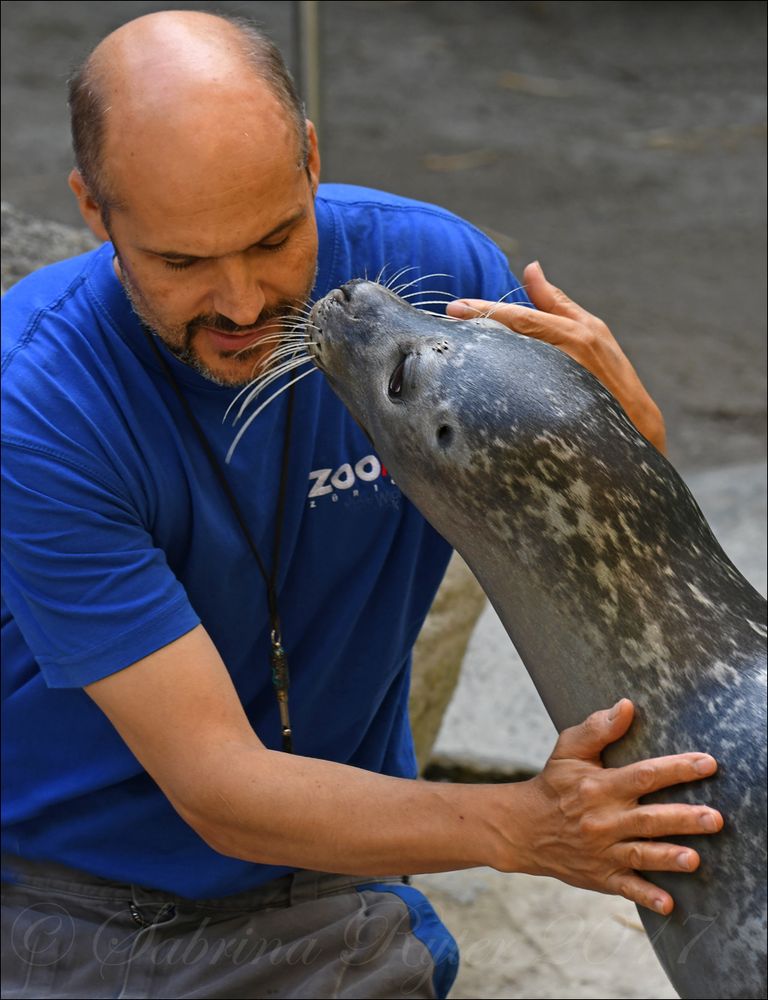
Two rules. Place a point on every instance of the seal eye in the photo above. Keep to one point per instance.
(444, 435)
(395, 386)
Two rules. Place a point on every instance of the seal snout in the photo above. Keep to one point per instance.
(344, 292)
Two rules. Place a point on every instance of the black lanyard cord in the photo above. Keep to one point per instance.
(279, 663)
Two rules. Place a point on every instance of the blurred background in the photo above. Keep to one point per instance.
(622, 145)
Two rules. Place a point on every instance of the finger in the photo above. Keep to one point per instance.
(631, 886)
(662, 820)
(486, 309)
(469, 308)
(549, 297)
(646, 776)
(652, 856)
(587, 740)
(555, 330)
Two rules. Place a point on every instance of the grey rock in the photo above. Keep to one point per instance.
(29, 243)
(439, 651)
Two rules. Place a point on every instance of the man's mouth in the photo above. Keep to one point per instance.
(234, 342)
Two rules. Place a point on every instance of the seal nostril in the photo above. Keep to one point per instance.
(346, 292)
(444, 436)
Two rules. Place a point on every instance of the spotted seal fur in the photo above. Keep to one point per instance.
(601, 567)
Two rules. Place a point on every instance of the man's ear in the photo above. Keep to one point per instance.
(313, 157)
(89, 209)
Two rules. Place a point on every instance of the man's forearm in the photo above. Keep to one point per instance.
(279, 809)
(180, 715)
(576, 821)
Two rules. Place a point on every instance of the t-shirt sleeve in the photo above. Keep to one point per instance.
(466, 262)
(486, 273)
(87, 587)
(412, 246)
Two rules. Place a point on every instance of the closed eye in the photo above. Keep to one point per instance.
(179, 265)
(395, 387)
(182, 265)
(273, 246)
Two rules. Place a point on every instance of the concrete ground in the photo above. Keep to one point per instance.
(622, 144)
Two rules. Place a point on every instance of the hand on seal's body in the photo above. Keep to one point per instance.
(559, 321)
(585, 826)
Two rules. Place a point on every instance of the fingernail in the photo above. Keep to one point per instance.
(615, 710)
(704, 766)
(708, 822)
(460, 309)
(537, 265)
(684, 859)
(659, 905)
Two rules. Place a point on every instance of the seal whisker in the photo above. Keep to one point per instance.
(256, 388)
(397, 275)
(275, 360)
(428, 291)
(294, 336)
(430, 302)
(294, 344)
(256, 412)
(273, 337)
(299, 317)
(261, 380)
(284, 354)
(482, 313)
(246, 388)
(437, 315)
(278, 332)
(437, 274)
(300, 313)
(277, 339)
(518, 288)
(380, 275)
(277, 363)
(306, 303)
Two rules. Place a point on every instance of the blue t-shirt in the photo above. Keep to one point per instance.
(118, 539)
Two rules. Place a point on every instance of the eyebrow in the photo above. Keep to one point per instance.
(175, 255)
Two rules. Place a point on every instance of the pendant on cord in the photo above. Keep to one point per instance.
(280, 681)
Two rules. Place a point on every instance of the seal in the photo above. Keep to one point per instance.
(601, 567)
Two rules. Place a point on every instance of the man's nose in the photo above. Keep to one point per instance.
(238, 294)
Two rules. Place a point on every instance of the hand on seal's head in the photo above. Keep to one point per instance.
(561, 322)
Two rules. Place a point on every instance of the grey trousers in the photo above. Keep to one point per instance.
(69, 934)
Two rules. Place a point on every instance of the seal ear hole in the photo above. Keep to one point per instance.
(444, 436)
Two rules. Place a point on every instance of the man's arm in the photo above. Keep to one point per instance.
(179, 713)
(561, 322)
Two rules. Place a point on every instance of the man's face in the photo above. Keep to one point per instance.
(216, 265)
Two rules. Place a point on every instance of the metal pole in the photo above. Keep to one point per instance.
(306, 15)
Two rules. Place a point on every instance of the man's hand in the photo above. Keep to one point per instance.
(586, 826)
(561, 322)
(179, 713)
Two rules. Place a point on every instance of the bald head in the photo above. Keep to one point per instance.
(179, 87)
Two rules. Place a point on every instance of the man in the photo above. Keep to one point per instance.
(153, 813)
